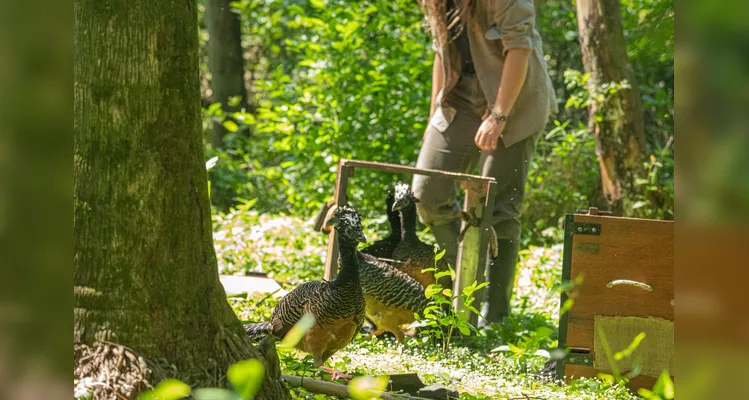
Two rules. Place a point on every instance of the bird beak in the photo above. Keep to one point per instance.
(398, 205)
(331, 222)
(362, 238)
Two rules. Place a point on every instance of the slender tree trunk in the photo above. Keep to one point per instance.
(617, 122)
(225, 61)
(145, 269)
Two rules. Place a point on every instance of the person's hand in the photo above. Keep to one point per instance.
(489, 133)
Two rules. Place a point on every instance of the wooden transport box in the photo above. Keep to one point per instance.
(627, 287)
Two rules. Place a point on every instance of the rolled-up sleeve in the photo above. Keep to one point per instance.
(513, 24)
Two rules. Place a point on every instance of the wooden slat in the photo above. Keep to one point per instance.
(416, 171)
(467, 270)
(341, 186)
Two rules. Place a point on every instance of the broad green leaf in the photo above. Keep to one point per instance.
(317, 3)
(246, 377)
(296, 333)
(439, 255)
(647, 394)
(566, 306)
(215, 394)
(664, 386)
(607, 378)
(542, 332)
(515, 349)
(367, 387)
(168, 389)
(439, 275)
(231, 126)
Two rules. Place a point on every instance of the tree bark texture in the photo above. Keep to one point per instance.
(225, 61)
(618, 122)
(145, 272)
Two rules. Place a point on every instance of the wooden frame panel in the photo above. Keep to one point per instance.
(472, 251)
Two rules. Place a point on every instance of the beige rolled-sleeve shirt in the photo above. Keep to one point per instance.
(499, 25)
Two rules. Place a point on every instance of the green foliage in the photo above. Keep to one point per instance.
(440, 318)
(285, 248)
(367, 387)
(335, 79)
(354, 83)
(168, 389)
(469, 366)
(562, 173)
(245, 379)
(662, 390)
(616, 376)
(528, 346)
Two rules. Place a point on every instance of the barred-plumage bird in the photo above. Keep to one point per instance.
(384, 248)
(414, 254)
(391, 295)
(337, 305)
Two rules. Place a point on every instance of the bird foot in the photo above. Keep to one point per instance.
(376, 333)
(335, 374)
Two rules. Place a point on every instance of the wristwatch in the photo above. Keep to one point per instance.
(497, 116)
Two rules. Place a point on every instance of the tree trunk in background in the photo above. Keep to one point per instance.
(618, 123)
(225, 61)
(145, 272)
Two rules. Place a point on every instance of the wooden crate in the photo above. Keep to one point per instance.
(627, 287)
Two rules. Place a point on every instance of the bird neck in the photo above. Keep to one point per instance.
(395, 223)
(408, 222)
(348, 261)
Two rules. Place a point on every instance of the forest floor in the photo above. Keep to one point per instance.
(289, 251)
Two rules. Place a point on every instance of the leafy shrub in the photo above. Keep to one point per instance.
(354, 84)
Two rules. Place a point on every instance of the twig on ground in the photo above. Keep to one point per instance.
(335, 389)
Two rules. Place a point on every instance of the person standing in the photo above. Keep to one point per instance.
(491, 99)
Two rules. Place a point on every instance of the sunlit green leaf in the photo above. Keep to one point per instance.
(664, 386)
(297, 332)
(246, 377)
(631, 348)
(367, 387)
(168, 389)
(215, 394)
(230, 126)
(317, 3)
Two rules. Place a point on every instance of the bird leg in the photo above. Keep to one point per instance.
(335, 374)
(377, 332)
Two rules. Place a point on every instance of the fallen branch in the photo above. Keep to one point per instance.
(335, 389)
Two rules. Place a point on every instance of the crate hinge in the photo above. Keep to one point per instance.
(584, 228)
(579, 359)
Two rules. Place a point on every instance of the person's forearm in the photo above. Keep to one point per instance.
(437, 83)
(513, 79)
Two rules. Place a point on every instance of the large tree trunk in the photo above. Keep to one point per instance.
(145, 268)
(225, 61)
(617, 122)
